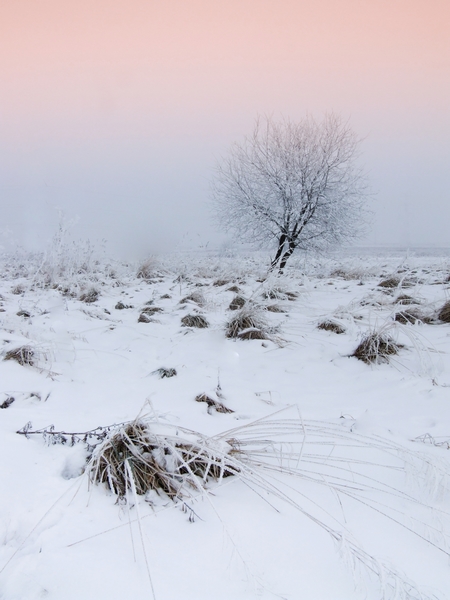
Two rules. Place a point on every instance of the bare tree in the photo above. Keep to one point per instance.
(292, 185)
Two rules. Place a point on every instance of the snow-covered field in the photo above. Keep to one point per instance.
(340, 487)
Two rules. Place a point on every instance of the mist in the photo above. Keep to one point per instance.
(115, 115)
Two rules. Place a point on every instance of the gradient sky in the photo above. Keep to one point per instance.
(116, 110)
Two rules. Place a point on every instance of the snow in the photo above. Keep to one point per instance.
(382, 428)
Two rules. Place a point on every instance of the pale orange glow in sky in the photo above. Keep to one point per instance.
(155, 90)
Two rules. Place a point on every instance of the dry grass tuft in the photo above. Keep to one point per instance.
(136, 459)
(163, 372)
(390, 283)
(333, 326)
(221, 282)
(274, 308)
(406, 317)
(444, 313)
(234, 289)
(280, 294)
(252, 334)
(18, 290)
(7, 403)
(237, 303)
(404, 299)
(121, 306)
(376, 347)
(151, 310)
(213, 404)
(24, 355)
(90, 296)
(248, 318)
(23, 313)
(145, 318)
(147, 270)
(196, 297)
(195, 321)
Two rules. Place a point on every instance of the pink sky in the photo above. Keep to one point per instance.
(90, 88)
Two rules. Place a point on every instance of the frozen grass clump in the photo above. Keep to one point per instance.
(194, 321)
(164, 372)
(277, 293)
(147, 270)
(333, 326)
(248, 323)
(133, 458)
(376, 347)
(237, 303)
(390, 283)
(444, 313)
(405, 299)
(196, 298)
(24, 355)
(213, 404)
(90, 296)
(151, 310)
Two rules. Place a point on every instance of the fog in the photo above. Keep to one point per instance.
(116, 114)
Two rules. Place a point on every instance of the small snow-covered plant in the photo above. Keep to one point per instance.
(377, 346)
(247, 323)
(90, 296)
(331, 325)
(197, 321)
(148, 269)
(237, 303)
(195, 298)
(24, 355)
(134, 457)
(444, 313)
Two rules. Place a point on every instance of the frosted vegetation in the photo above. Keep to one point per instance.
(196, 427)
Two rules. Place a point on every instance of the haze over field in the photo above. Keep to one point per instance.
(116, 111)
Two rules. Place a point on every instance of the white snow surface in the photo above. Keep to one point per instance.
(356, 505)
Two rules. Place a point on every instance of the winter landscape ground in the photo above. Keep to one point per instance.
(256, 450)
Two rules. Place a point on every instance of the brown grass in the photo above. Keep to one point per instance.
(237, 303)
(134, 457)
(196, 297)
(248, 318)
(213, 404)
(274, 308)
(151, 310)
(390, 283)
(444, 313)
(333, 326)
(90, 296)
(376, 348)
(195, 321)
(252, 334)
(24, 355)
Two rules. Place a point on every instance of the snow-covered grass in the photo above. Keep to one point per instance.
(280, 466)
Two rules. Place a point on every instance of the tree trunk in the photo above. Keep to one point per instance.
(279, 253)
(289, 252)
